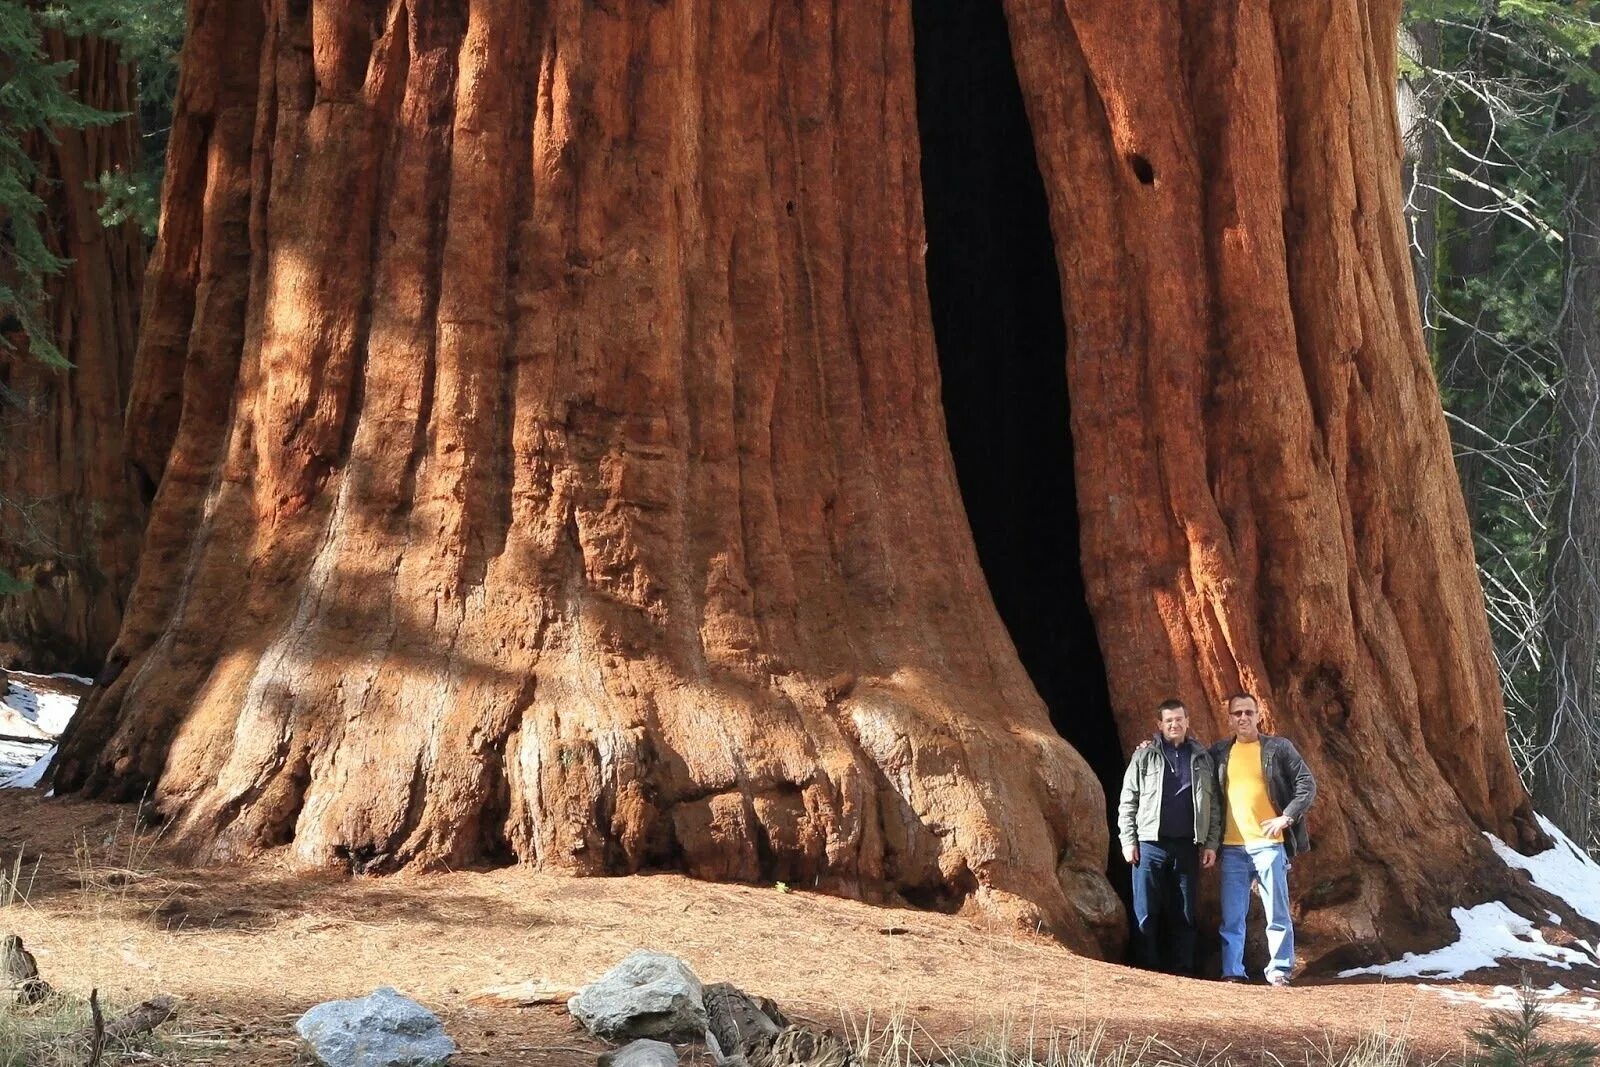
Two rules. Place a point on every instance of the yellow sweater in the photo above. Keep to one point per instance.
(1247, 802)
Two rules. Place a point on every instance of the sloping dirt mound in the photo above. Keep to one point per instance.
(249, 949)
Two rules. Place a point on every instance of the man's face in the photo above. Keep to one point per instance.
(1245, 717)
(1175, 725)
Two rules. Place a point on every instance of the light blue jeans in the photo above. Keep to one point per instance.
(1269, 865)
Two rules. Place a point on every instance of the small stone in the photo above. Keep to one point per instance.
(644, 1052)
(383, 1029)
(649, 994)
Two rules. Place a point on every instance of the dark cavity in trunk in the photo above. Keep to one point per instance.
(997, 319)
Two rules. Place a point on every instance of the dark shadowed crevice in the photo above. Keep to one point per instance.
(997, 319)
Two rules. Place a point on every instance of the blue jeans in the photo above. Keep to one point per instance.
(1269, 865)
(1164, 886)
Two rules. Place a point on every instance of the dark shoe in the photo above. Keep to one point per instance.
(1235, 979)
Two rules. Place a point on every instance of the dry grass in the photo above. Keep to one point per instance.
(1377, 1049)
(901, 1042)
(54, 1032)
(16, 881)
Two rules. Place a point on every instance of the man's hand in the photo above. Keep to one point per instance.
(1208, 858)
(1142, 745)
(1130, 853)
(1276, 827)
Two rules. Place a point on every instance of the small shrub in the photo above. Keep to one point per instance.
(1515, 1039)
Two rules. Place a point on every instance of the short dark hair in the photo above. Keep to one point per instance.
(1170, 704)
(1240, 695)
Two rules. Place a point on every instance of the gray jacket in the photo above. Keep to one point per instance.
(1139, 809)
(1290, 785)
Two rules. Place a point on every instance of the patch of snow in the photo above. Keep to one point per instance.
(15, 758)
(33, 705)
(40, 705)
(30, 776)
(1490, 934)
(1553, 917)
(16, 724)
(1564, 871)
(1578, 1009)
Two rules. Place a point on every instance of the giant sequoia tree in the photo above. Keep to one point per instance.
(70, 508)
(546, 408)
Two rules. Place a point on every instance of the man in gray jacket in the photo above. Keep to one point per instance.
(1170, 821)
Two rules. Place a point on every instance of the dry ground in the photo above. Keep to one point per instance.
(248, 950)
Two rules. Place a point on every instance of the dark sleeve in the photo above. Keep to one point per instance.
(1214, 838)
(1305, 786)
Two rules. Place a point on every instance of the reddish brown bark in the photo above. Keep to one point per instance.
(558, 469)
(554, 467)
(71, 519)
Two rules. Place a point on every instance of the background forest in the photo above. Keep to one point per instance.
(1498, 108)
(1499, 112)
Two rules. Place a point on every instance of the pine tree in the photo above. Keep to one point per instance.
(1516, 1038)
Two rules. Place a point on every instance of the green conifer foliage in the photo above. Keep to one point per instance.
(1519, 1038)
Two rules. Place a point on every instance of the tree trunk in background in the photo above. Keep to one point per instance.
(71, 525)
(1419, 172)
(1566, 766)
(558, 470)
(1468, 352)
(1265, 482)
(553, 465)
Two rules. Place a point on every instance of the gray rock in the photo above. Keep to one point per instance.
(384, 1029)
(641, 1053)
(649, 994)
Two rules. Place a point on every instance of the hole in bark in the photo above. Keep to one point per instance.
(1142, 169)
(996, 301)
(947, 898)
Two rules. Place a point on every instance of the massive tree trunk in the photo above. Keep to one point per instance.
(1566, 764)
(552, 461)
(1264, 474)
(70, 507)
(552, 467)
